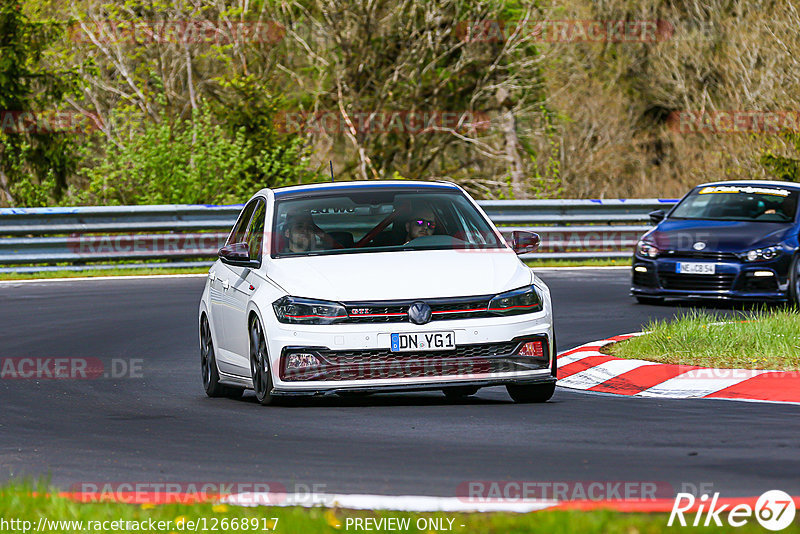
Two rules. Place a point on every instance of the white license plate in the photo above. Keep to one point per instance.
(696, 268)
(423, 341)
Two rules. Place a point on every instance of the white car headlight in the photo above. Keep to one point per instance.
(646, 249)
(761, 254)
(297, 310)
(524, 300)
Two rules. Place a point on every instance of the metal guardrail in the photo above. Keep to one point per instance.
(85, 237)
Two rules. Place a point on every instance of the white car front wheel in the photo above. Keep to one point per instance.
(531, 393)
(259, 364)
(459, 392)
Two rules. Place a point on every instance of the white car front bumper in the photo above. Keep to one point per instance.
(358, 357)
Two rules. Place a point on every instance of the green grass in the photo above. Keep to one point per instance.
(764, 339)
(601, 262)
(16, 502)
(102, 272)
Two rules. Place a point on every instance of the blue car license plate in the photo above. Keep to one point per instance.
(696, 268)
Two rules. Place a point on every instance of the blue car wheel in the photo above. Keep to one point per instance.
(794, 282)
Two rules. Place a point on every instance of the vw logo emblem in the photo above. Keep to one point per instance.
(699, 245)
(419, 313)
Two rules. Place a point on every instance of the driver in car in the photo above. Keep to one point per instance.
(786, 208)
(300, 233)
(422, 223)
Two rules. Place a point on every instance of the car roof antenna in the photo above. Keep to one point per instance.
(331, 162)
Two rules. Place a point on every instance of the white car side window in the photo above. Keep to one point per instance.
(255, 231)
(238, 233)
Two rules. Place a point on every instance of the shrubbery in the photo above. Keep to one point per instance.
(194, 161)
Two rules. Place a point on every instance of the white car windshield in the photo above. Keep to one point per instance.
(382, 219)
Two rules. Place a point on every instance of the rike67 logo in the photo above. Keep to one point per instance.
(774, 510)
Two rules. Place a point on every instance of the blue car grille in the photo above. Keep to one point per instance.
(700, 255)
(647, 279)
(761, 284)
(696, 282)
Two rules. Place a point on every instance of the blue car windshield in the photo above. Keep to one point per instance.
(378, 220)
(739, 203)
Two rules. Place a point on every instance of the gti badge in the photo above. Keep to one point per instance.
(699, 245)
(419, 313)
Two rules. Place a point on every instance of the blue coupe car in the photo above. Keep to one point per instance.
(724, 240)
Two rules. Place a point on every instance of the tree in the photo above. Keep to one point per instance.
(378, 69)
(784, 167)
(38, 150)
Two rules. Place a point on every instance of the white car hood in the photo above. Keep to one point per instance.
(400, 275)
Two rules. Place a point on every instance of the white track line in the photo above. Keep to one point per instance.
(583, 268)
(405, 503)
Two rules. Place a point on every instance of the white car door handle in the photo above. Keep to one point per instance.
(226, 284)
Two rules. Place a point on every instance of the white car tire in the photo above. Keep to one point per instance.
(260, 371)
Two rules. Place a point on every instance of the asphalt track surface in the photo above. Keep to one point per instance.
(162, 428)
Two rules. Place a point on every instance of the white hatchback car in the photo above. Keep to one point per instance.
(365, 287)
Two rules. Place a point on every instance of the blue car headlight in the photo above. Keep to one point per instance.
(760, 254)
(519, 301)
(646, 249)
(297, 310)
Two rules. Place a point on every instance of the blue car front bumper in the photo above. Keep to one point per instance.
(732, 279)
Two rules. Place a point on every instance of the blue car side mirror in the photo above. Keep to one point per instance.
(657, 216)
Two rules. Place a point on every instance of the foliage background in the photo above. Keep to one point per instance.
(203, 120)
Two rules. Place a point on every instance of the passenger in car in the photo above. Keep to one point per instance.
(299, 231)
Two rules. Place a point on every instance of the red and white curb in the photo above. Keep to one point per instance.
(586, 368)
